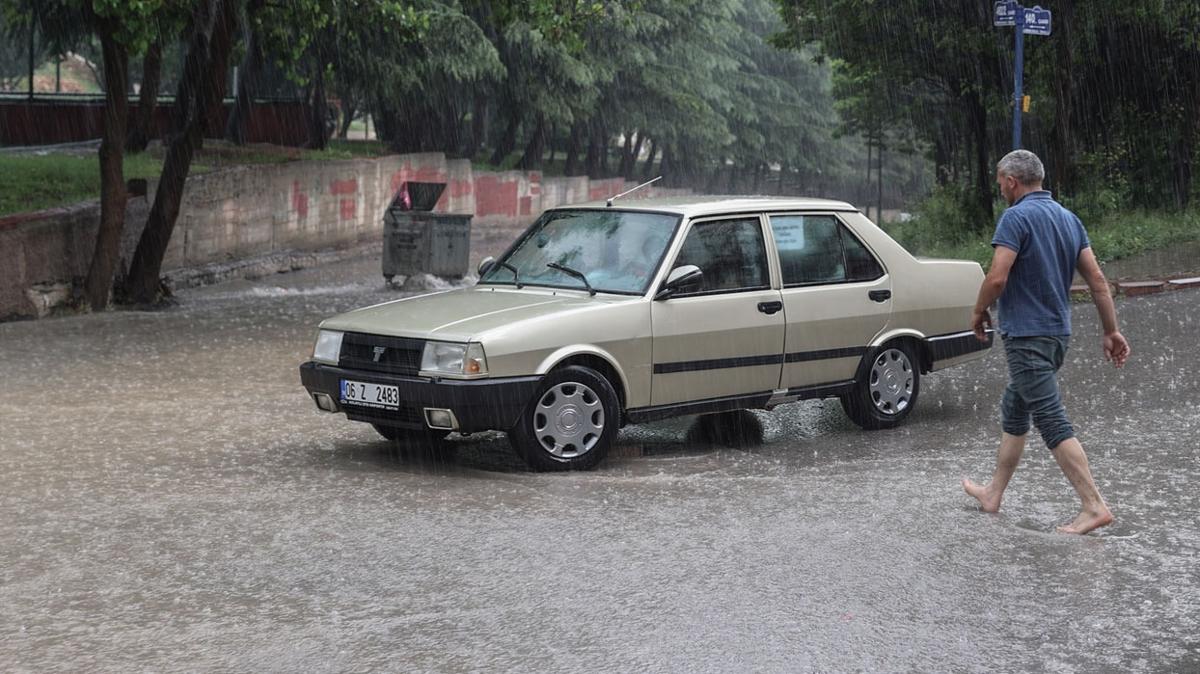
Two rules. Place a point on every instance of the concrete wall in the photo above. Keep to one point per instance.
(250, 212)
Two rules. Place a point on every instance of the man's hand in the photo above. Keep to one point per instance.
(981, 321)
(1116, 348)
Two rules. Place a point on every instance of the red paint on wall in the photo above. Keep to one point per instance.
(344, 186)
(348, 208)
(299, 200)
(526, 205)
(494, 196)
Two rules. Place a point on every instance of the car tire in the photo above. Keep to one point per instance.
(570, 422)
(886, 387)
(427, 437)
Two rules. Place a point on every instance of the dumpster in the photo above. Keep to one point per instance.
(415, 239)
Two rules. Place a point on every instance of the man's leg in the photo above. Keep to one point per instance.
(1073, 461)
(1050, 417)
(1014, 420)
(1007, 458)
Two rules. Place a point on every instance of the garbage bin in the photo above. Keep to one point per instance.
(415, 239)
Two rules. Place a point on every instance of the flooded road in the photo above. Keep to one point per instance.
(172, 500)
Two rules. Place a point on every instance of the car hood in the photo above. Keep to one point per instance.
(460, 315)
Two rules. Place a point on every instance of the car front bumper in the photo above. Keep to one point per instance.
(477, 404)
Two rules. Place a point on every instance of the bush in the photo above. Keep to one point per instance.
(946, 224)
(942, 226)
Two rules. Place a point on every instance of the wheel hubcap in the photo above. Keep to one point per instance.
(891, 383)
(568, 420)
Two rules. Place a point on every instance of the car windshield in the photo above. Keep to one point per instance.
(618, 251)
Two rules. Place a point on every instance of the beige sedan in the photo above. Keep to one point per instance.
(598, 316)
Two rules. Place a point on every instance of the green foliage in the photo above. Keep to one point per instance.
(946, 224)
(940, 228)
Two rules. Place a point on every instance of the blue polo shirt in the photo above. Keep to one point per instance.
(1047, 239)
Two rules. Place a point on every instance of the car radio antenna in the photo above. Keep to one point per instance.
(608, 204)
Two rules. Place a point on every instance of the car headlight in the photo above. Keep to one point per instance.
(328, 347)
(454, 360)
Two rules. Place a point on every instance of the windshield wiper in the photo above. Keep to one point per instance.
(516, 274)
(571, 272)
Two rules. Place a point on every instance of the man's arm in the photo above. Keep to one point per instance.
(1003, 258)
(1116, 347)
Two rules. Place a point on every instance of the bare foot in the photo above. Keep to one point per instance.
(988, 502)
(1088, 520)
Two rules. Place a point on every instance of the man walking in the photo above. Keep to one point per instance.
(1037, 246)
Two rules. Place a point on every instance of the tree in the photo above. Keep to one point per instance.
(948, 55)
(201, 90)
(123, 27)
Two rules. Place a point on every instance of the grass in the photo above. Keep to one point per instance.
(36, 182)
(33, 182)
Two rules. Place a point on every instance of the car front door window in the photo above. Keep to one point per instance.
(731, 254)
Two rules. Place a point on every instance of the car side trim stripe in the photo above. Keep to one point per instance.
(755, 361)
(717, 364)
(826, 354)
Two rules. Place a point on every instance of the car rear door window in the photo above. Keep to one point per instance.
(815, 249)
(731, 253)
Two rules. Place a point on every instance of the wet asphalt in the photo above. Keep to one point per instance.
(171, 500)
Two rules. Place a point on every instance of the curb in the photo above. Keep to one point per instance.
(1081, 293)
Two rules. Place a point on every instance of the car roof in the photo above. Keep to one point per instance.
(697, 205)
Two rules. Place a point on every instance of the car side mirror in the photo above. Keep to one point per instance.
(485, 264)
(680, 279)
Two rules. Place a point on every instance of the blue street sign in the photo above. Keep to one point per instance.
(1037, 21)
(1004, 13)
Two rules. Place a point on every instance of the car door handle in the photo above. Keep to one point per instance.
(770, 307)
(880, 295)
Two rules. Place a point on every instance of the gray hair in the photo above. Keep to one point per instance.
(1022, 165)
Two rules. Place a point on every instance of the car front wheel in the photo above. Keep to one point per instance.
(886, 388)
(570, 422)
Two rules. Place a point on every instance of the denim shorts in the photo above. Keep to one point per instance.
(1032, 391)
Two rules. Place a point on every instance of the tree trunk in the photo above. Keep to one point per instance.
(1064, 85)
(349, 109)
(666, 166)
(637, 152)
(479, 126)
(552, 143)
(648, 168)
(143, 129)
(982, 172)
(879, 176)
(867, 195)
(112, 177)
(591, 162)
(531, 160)
(201, 89)
(571, 165)
(318, 121)
(626, 155)
(714, 176)
(507, 142)
(248, 73)
(603, 146)
(1182, 150)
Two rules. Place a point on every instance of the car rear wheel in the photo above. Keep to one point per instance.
(570, 422)
(886, 388)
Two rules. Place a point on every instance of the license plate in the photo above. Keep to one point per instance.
(370, 395)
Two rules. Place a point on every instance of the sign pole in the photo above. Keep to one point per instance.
(1018, 78)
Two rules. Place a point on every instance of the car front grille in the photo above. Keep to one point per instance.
(377, 353)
